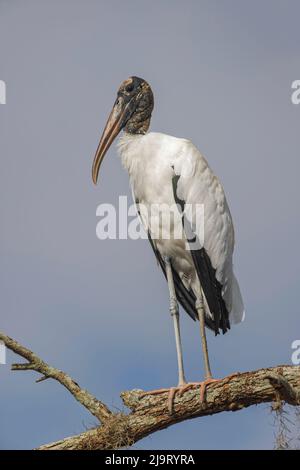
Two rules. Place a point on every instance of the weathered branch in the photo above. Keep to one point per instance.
(96, 407)
(149, 413)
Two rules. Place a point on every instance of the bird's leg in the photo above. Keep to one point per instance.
(175, 315)
(201, 315)
(208, 375)
(182, 385)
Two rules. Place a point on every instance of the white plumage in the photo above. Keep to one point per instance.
(151, 161)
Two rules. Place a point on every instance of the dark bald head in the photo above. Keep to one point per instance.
(138, 94)
(131, 112)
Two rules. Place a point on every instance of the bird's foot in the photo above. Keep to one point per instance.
(180, 389)
(171, 394)
(203, 385)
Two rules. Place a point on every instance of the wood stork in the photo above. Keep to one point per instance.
(164, 171)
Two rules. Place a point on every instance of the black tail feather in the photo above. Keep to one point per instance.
(212, 289)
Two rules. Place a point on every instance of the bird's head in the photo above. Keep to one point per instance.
(131, 112)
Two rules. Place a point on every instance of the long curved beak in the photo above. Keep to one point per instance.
(116, 121)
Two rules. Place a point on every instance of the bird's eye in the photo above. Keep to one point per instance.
(129, 88)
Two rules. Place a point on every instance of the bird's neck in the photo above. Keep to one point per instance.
(129, 147)
(138, 124)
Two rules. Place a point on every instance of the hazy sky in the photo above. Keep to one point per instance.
(221, 72)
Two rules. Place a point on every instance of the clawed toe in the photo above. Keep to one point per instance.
(171, 394)
(155, 392)
(181, 389)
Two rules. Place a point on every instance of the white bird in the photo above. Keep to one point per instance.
(167, 172)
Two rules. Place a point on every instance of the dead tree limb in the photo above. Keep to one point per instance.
(149, 413)
(95, 406)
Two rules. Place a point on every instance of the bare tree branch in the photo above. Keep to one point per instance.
(96, 407)
(149, 413)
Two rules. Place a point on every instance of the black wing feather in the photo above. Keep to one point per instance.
(185, 297)
(207, 274)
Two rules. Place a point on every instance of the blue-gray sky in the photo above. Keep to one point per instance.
(221, 72)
